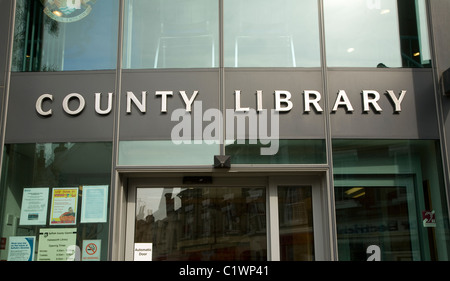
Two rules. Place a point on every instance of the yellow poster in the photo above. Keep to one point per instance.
(64, 206)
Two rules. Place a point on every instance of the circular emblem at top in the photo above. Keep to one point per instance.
(67, 10)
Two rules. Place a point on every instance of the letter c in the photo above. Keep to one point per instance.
(225, 271)
(39, 102)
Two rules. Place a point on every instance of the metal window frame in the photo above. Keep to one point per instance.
(270, 181)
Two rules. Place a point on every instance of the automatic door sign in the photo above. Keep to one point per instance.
(143, 251)
(91, 250)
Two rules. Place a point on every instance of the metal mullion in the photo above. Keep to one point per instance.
(273, 229)
(329, 189)
(222, 76)
(39, 41)
(117, 252)
(33, 32)
(25, 43)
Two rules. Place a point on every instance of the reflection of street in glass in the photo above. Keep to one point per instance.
(202, 223)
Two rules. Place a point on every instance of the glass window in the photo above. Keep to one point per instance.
(286, 152)
(390, 200)
(65, 35)
(46, 195)
(171, 34)
(296, 223)
(166, 153)
(208, 224)
(376, 33)
(267, 33)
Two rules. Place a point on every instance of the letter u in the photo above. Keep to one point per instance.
(98, 97)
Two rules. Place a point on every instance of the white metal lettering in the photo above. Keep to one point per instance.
(82, 104)
(368, 100)
(342, 99)
(259, 100)
(237, 100)
(39, 102)
(286, 100)
(141, 105)
(314, 102)
(283, 102)
(98, 97)
(164, 95)
(397, 101)
(188, 101)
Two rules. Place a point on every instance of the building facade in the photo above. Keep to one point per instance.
(224, 130)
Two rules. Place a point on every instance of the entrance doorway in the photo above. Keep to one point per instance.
(223, 218)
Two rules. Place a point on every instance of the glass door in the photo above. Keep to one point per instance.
(299, 227)
(240, 219)
(380, 212)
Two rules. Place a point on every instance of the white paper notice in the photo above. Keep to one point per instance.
(34, 206)
(21, 248)
(57, 244)
(94, 204)
(143, 251)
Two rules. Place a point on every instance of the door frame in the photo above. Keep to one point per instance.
(321, 234)
(270, 181)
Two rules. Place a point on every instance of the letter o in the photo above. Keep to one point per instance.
(80, 107)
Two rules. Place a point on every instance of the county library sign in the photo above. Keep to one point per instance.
(282, 101)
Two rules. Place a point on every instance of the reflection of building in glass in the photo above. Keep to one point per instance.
(374, 216)
(210, 224)
(54, 41)
(296, 227)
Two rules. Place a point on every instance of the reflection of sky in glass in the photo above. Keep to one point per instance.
(151, 201)
(85, 43)
(166, 153)
(267, 33)
(171, 34)
(91, 43)
(362, 33)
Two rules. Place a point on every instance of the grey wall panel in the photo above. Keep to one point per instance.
(441, 21)
(441, 38)
(24, 124)
(293, 124)
(155, 124)
(416, 120)
(5, 18)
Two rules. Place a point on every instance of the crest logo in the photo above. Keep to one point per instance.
(67, 10)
